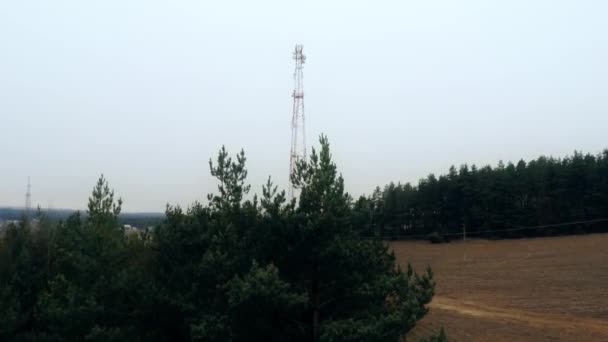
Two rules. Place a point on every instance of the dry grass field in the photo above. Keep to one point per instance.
(544, 289)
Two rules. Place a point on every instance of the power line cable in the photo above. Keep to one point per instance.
(563, 224)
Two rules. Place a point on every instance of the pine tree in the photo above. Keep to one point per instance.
(355, 290)
(90, 293)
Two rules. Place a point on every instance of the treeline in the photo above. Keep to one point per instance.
(495, 202)
(265, 269)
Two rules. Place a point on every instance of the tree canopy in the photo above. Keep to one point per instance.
(238, 268)
(499, 201)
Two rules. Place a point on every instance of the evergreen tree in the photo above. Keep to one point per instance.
(355, 291)
(90, 291)
(235, 269)
(508, 197)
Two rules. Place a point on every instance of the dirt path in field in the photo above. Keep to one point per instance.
(544, 289)
(536, 320)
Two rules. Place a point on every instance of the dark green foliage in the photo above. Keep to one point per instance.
(91, 290)
(234, 270)
(544, 191)
(23, 275)
(355, 292)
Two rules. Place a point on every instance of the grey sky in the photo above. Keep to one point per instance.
(147, 91)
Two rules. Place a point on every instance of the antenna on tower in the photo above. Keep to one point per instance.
(298, 130)
(28, 199)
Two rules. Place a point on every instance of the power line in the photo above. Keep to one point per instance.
(504, 230)
(28, 199)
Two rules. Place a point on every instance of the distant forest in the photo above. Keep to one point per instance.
(505, 201)
(139, 220)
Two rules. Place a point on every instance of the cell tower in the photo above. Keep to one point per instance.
(298, 130)
(28, 199)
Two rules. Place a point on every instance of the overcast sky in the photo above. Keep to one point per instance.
(147, 91)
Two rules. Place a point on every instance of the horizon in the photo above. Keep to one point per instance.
(414, 184)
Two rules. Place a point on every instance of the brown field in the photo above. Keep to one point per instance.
(544, 289)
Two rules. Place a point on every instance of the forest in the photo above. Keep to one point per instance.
(542, 197)
(266, 268)
(233, 269)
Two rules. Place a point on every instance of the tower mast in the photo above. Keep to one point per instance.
(28, 199)
(298, 130)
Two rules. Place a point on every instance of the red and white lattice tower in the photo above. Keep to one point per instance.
(298, 131)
